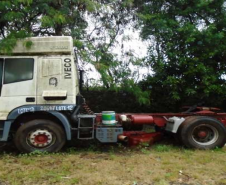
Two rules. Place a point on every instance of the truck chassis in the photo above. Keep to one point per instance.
(200, 129)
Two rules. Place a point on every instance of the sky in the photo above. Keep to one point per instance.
(134, 43)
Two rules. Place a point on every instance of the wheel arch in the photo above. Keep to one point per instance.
(57, 117)
(190, 119)
(187, 120)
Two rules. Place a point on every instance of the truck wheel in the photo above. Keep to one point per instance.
(178, 134)
(202, 133)
(41, 135)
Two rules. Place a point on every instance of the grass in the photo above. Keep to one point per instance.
(160, 164)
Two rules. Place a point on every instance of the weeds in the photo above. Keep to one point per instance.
(73, 181)
(163, 148)
(116, 164)
(220, 150)
(145, 151)
(34, 153)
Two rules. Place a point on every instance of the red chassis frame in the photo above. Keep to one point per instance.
(134, 138)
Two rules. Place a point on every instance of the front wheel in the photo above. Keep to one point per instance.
(41, 135)
(202, 133)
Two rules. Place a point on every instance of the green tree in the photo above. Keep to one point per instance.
(187, 51)
(21, 18)
(94, 26)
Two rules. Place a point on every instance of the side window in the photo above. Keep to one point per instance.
(18, 69)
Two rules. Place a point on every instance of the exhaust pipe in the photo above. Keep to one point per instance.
(123, 138)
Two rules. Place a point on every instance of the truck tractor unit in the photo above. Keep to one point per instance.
(41, 107)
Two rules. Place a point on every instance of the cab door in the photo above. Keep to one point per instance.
(56, 82)
(18, 84)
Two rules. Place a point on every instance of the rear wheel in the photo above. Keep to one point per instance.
(202, 133)
(41, 135)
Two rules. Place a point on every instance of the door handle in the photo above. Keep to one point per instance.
(30, 99)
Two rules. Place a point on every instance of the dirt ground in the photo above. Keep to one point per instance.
(160, 164)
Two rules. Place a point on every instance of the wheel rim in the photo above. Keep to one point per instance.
(205, 134)
(40, 138)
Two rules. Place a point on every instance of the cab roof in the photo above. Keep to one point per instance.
(45, 46)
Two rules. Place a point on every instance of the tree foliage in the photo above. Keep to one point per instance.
(94, 26)
(188, 50)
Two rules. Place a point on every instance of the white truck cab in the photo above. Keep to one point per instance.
(41, 75)
(37, 83)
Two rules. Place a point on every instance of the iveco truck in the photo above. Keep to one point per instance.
(41, 107)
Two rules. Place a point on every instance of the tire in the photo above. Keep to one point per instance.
(40, 135)
(178, 135)
(202, 133)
